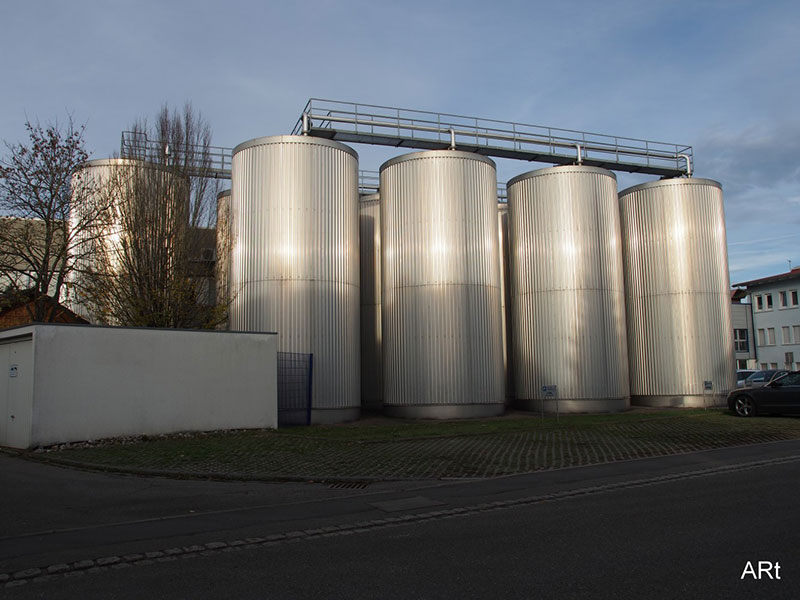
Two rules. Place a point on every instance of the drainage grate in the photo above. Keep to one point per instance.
(348, 485)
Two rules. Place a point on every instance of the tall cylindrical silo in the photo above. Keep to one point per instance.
(677, 293)
(570, 351)
(222, 264)
(294, 265)
(505, 297)
(128, 218)
(442, 335)
(370, 253)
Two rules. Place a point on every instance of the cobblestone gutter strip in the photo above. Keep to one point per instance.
(206, 476)
(108, 563)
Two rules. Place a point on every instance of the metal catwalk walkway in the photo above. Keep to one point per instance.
(387, 126)
(402, 128)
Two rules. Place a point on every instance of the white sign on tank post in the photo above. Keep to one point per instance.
(550, 392)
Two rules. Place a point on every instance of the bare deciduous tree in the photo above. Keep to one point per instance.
(40, 187)
(155, 270)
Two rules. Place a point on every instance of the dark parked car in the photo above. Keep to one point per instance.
(762, 377)
(781, 395)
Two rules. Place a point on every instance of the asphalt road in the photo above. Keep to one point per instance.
(681, 526)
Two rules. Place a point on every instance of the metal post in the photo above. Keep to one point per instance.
(310, 387)
(557, 411)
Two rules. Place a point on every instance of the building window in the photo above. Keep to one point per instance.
(740, 340)
(770, 336)
(786, 335)
(759, 303)
(773, 365)
(764, 366)
(769, 301)
(761, 339)
(796, 329)
(794, 297)
(782, 303)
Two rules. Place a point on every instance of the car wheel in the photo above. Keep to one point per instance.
(744, 406)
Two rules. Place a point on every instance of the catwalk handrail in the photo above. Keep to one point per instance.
(391, 126)
(388, 126)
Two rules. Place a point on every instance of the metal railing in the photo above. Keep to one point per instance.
(390, 126)
(398, 127)
(199, 161)
(368, 182)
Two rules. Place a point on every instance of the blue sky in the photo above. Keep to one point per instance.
(722, 76)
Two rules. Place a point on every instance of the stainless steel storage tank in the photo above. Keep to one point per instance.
(570, 350)
(677, 293)
(370, 253)
(222, 264)
(505, 297)
(120, 198)
(442, 335)
(294, 267)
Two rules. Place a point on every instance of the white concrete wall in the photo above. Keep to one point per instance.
(97, 382)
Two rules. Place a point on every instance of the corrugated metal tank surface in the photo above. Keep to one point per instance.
(568, 291)
(370, 253)
(505, 297)
(677, 292)
(115, 183)
(222, 264)
(442, 332)
(294, 266)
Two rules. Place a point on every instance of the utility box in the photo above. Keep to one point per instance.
(67, 383)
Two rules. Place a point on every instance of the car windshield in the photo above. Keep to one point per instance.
(757, 377)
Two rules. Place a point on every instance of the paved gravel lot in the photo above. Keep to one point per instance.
(535, 445)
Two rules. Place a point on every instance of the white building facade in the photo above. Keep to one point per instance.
(776, 319)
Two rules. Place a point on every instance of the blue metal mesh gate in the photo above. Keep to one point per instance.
(294, 388)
